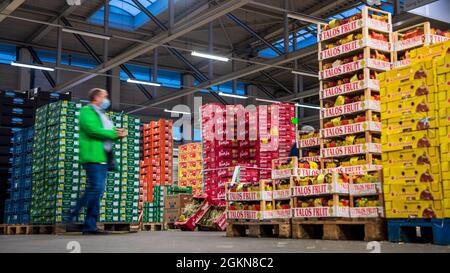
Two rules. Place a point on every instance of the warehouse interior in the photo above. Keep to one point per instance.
(124, 46)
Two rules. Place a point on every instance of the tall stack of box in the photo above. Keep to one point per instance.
(16, 111)
(154, 211)
(443, 86)
(18, 205)
(190, 167)
(56, 171)
(156, 167)
(415, 120)
(254, 142)
(120, 202)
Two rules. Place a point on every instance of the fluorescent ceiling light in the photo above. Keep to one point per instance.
(85, 33)
(305, 73)
(209, 56)
(271, 101)
(144, 83)
(32, 66)
(307, 106)
(232, 95)
(176, 112)
(307, 18)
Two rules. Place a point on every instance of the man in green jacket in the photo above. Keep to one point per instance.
(97, 135)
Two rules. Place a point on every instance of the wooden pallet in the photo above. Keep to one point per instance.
(258, 229)
(152, 226)
(369, 229)
(168, 226)
(23, 229)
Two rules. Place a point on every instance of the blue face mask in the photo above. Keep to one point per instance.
(105, 104)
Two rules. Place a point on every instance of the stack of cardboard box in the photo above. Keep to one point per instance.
(190, 167)
(174, 205)
(415, 135)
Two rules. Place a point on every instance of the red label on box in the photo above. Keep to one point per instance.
(351, 108)
(331, 33)
(310, 142)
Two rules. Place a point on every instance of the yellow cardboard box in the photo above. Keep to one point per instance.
(415, 174)
(447, 208)
(424, 156)
(443, 80)
(424, 192)
(414, 209)
(410, 140)
(444, 117)
(429, 52)
(418, 71)
(444, 134)
(408, 89)
(407, 107)
(410, 123)
(443, 64)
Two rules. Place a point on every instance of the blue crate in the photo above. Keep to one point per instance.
(30, 133)
(17, 149)
(436, 231)
(29, 159)
(29, 148)
(26, 182)
(26, 218)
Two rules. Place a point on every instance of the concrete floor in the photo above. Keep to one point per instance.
(194, 242)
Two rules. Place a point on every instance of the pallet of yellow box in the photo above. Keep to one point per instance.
(410, 140)
(415, 106)
(413, 192)
(410, 89)
(414, 209)
(410, 157)
(447, 208)
(429, 52)
(420, 71)
(410, 123)
(414, 174)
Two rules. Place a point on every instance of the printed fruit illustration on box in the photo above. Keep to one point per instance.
(282, 205)
(367, 202)
(322, 202)
(411, 34)
(282, 184)
(339, 62)
(308, 165)
(366, 178)
(285, 163)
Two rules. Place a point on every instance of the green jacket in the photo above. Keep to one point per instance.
(92, 136)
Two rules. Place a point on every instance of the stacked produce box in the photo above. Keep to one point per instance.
(56, 172)
(252, 139)
(18, 205)
(121, 198)
(407, 39)
(190, 167)
(415, 136)
(157, 165)
(16, 111)
(351, 52)
(154, 211)
(174, 204)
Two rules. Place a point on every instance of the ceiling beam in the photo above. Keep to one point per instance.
(179, 30)
(8, 7)
(280, 60)
(44, 30)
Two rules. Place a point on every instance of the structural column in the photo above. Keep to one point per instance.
(24, 79)
(188, 80)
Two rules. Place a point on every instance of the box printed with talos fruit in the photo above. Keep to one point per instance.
(415, 174)
(414, 209)
(409, 89)
(411, 157)
(413, 192)
(410, 140)
(425, 105)
(419, 71)
(410, 123)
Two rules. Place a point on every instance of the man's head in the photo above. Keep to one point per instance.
(98, 96)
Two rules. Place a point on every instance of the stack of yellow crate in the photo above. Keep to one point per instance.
(443, 83)
(416, 136)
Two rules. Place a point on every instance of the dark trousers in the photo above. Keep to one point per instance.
(95, 187)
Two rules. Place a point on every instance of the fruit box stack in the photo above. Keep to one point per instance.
(173, 206)
(121, 198)
(56, 173)
(17, 207)
(415, 136)
(221, 156)
(190, 167)
(154, 211)
(157, 166)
